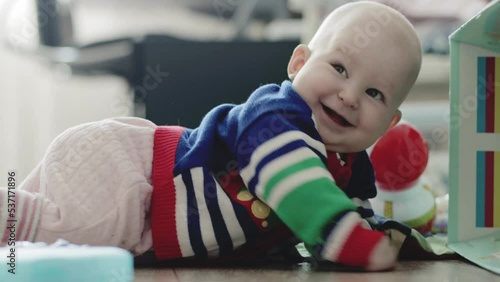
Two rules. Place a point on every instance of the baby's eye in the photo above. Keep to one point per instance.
(340, 69)
(374, 93)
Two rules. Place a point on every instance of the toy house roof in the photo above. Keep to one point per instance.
(483, 30)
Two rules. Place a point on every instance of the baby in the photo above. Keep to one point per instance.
(289, 163)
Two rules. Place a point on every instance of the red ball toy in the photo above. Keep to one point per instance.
(399, 157)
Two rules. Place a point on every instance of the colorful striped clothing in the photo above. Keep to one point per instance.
(251, 176)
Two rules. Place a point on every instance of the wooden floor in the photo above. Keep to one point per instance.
(408, 271)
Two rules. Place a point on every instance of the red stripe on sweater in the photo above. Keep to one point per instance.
(163, 225)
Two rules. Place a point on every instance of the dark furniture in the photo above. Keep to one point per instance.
(196, 76)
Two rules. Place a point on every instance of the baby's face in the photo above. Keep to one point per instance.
(354, 93)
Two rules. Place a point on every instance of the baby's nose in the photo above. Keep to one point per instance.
(349, 99)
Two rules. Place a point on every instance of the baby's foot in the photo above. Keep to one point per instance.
(352, 242)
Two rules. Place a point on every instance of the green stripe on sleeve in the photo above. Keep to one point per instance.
(311, 206)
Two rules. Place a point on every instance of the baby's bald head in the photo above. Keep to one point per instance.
(359, 25)
(356, 72)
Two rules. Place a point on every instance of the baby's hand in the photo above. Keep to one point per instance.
(352, 242)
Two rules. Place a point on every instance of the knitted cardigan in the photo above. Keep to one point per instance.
(251, 176)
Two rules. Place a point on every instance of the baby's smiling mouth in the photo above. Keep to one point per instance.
(336, 117)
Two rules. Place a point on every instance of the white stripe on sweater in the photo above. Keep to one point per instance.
(206, 227)
(233, 225)
(279, 164)
(294, 181)
(181, 216)
(274, 144)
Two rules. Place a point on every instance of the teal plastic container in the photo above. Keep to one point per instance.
(64, 262)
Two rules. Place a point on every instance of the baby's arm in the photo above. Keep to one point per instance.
(285, 168)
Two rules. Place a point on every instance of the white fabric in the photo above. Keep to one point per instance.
(97, 180)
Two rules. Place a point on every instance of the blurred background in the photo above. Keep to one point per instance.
(65, 62)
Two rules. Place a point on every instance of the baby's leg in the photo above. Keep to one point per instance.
(95, 180)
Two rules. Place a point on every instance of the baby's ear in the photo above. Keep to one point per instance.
(395, 119)
(298, 59)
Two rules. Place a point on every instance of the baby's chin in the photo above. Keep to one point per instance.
(345, 148)
(347, 145)
(344, 144)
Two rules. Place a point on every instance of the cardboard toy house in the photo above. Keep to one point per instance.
(474, 175)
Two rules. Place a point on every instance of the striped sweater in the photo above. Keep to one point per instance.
(251, 176)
